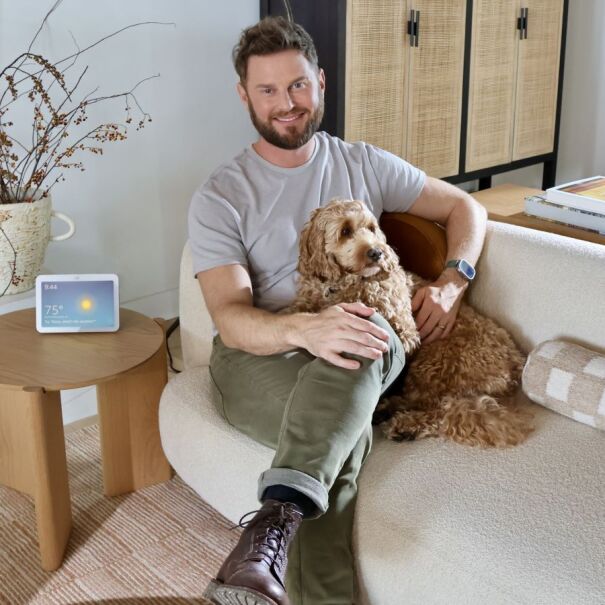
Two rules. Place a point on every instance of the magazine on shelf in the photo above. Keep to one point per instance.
(540, 207)
(585, 194)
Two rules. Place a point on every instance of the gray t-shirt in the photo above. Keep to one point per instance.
(251, 212)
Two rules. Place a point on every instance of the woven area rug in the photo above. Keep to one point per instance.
(158, 545)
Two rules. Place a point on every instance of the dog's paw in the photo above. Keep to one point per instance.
(406, 329)
(410, 425)
(411, 343)
(397, 429)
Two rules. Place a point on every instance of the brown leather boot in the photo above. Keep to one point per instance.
(254, 572)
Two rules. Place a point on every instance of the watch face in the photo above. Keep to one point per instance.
(466, 269)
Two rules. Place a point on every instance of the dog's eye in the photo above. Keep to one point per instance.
(345, 231)
(372, 228)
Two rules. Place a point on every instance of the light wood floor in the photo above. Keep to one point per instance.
(157, 546)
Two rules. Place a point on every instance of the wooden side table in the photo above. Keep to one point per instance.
(505, 204)
(129, 369)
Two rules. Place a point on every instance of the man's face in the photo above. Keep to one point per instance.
(284, 95)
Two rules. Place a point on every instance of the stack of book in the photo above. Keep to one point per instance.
(577, 204)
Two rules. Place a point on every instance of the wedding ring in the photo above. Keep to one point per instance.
(441, 327)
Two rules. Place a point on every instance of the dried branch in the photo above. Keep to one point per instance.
(25, 169)
(48, 14)
(13, 263)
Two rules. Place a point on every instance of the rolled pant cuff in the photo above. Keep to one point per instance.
(297, 480)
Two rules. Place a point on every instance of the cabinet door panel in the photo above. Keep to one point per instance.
(538, 79)
(435, 89)
(376, 74)
(493, 71)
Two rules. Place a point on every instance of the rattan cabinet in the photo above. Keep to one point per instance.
(513, 84)
(462, 88)
(415, 75)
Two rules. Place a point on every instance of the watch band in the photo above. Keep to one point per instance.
(463, 267)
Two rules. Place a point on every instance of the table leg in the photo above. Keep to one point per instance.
(130, 437)
(32, 460)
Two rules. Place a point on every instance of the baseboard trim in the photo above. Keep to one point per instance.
(80, 424)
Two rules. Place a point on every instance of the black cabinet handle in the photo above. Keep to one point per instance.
(522, 24)
(526, 21)
(413, 27)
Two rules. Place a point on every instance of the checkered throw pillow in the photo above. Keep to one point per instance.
(568, 379)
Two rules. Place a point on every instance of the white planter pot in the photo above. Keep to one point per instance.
(24, 236)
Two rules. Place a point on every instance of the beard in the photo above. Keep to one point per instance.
(293, 139)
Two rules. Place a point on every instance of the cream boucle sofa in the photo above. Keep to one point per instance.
(439, 523)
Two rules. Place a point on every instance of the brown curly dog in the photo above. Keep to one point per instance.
(451, 384)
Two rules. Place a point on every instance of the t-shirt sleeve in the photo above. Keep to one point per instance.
(214, 234)
(400, 182)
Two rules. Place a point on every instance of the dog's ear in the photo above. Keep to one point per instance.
(390, 256)
(391, 259)
(311, 243)
(313, 260)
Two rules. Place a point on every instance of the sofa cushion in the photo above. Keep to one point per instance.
(436, 522)
(448, 524)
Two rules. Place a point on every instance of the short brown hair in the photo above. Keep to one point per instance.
(268, 36)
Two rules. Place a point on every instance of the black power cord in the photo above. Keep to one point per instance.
(175, 324)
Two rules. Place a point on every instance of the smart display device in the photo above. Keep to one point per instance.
(77, 303)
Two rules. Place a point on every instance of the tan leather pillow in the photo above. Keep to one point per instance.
(568, 379)
(419, 243)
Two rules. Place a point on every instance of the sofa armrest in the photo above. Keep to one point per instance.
(195, 322)
(420, 243)
(541, 286)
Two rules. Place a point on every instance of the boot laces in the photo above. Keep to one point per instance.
(271, 545)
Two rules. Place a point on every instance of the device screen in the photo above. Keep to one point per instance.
(72, 304)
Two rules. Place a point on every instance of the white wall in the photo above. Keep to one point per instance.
(130, 204)
(582, 134)
(582, 144)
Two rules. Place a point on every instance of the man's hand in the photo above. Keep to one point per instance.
(436, 306)
(342, 329)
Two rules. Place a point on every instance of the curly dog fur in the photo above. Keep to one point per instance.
(458, 387)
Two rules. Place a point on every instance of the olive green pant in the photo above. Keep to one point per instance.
(317, 417)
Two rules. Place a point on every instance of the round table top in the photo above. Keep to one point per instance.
(53, 361)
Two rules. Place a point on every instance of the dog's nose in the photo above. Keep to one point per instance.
(374, 254)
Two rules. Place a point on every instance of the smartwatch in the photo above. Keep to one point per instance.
(463, 267)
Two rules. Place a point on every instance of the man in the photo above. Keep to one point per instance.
(304, 384)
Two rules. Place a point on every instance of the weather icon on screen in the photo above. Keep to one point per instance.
(86, 304)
